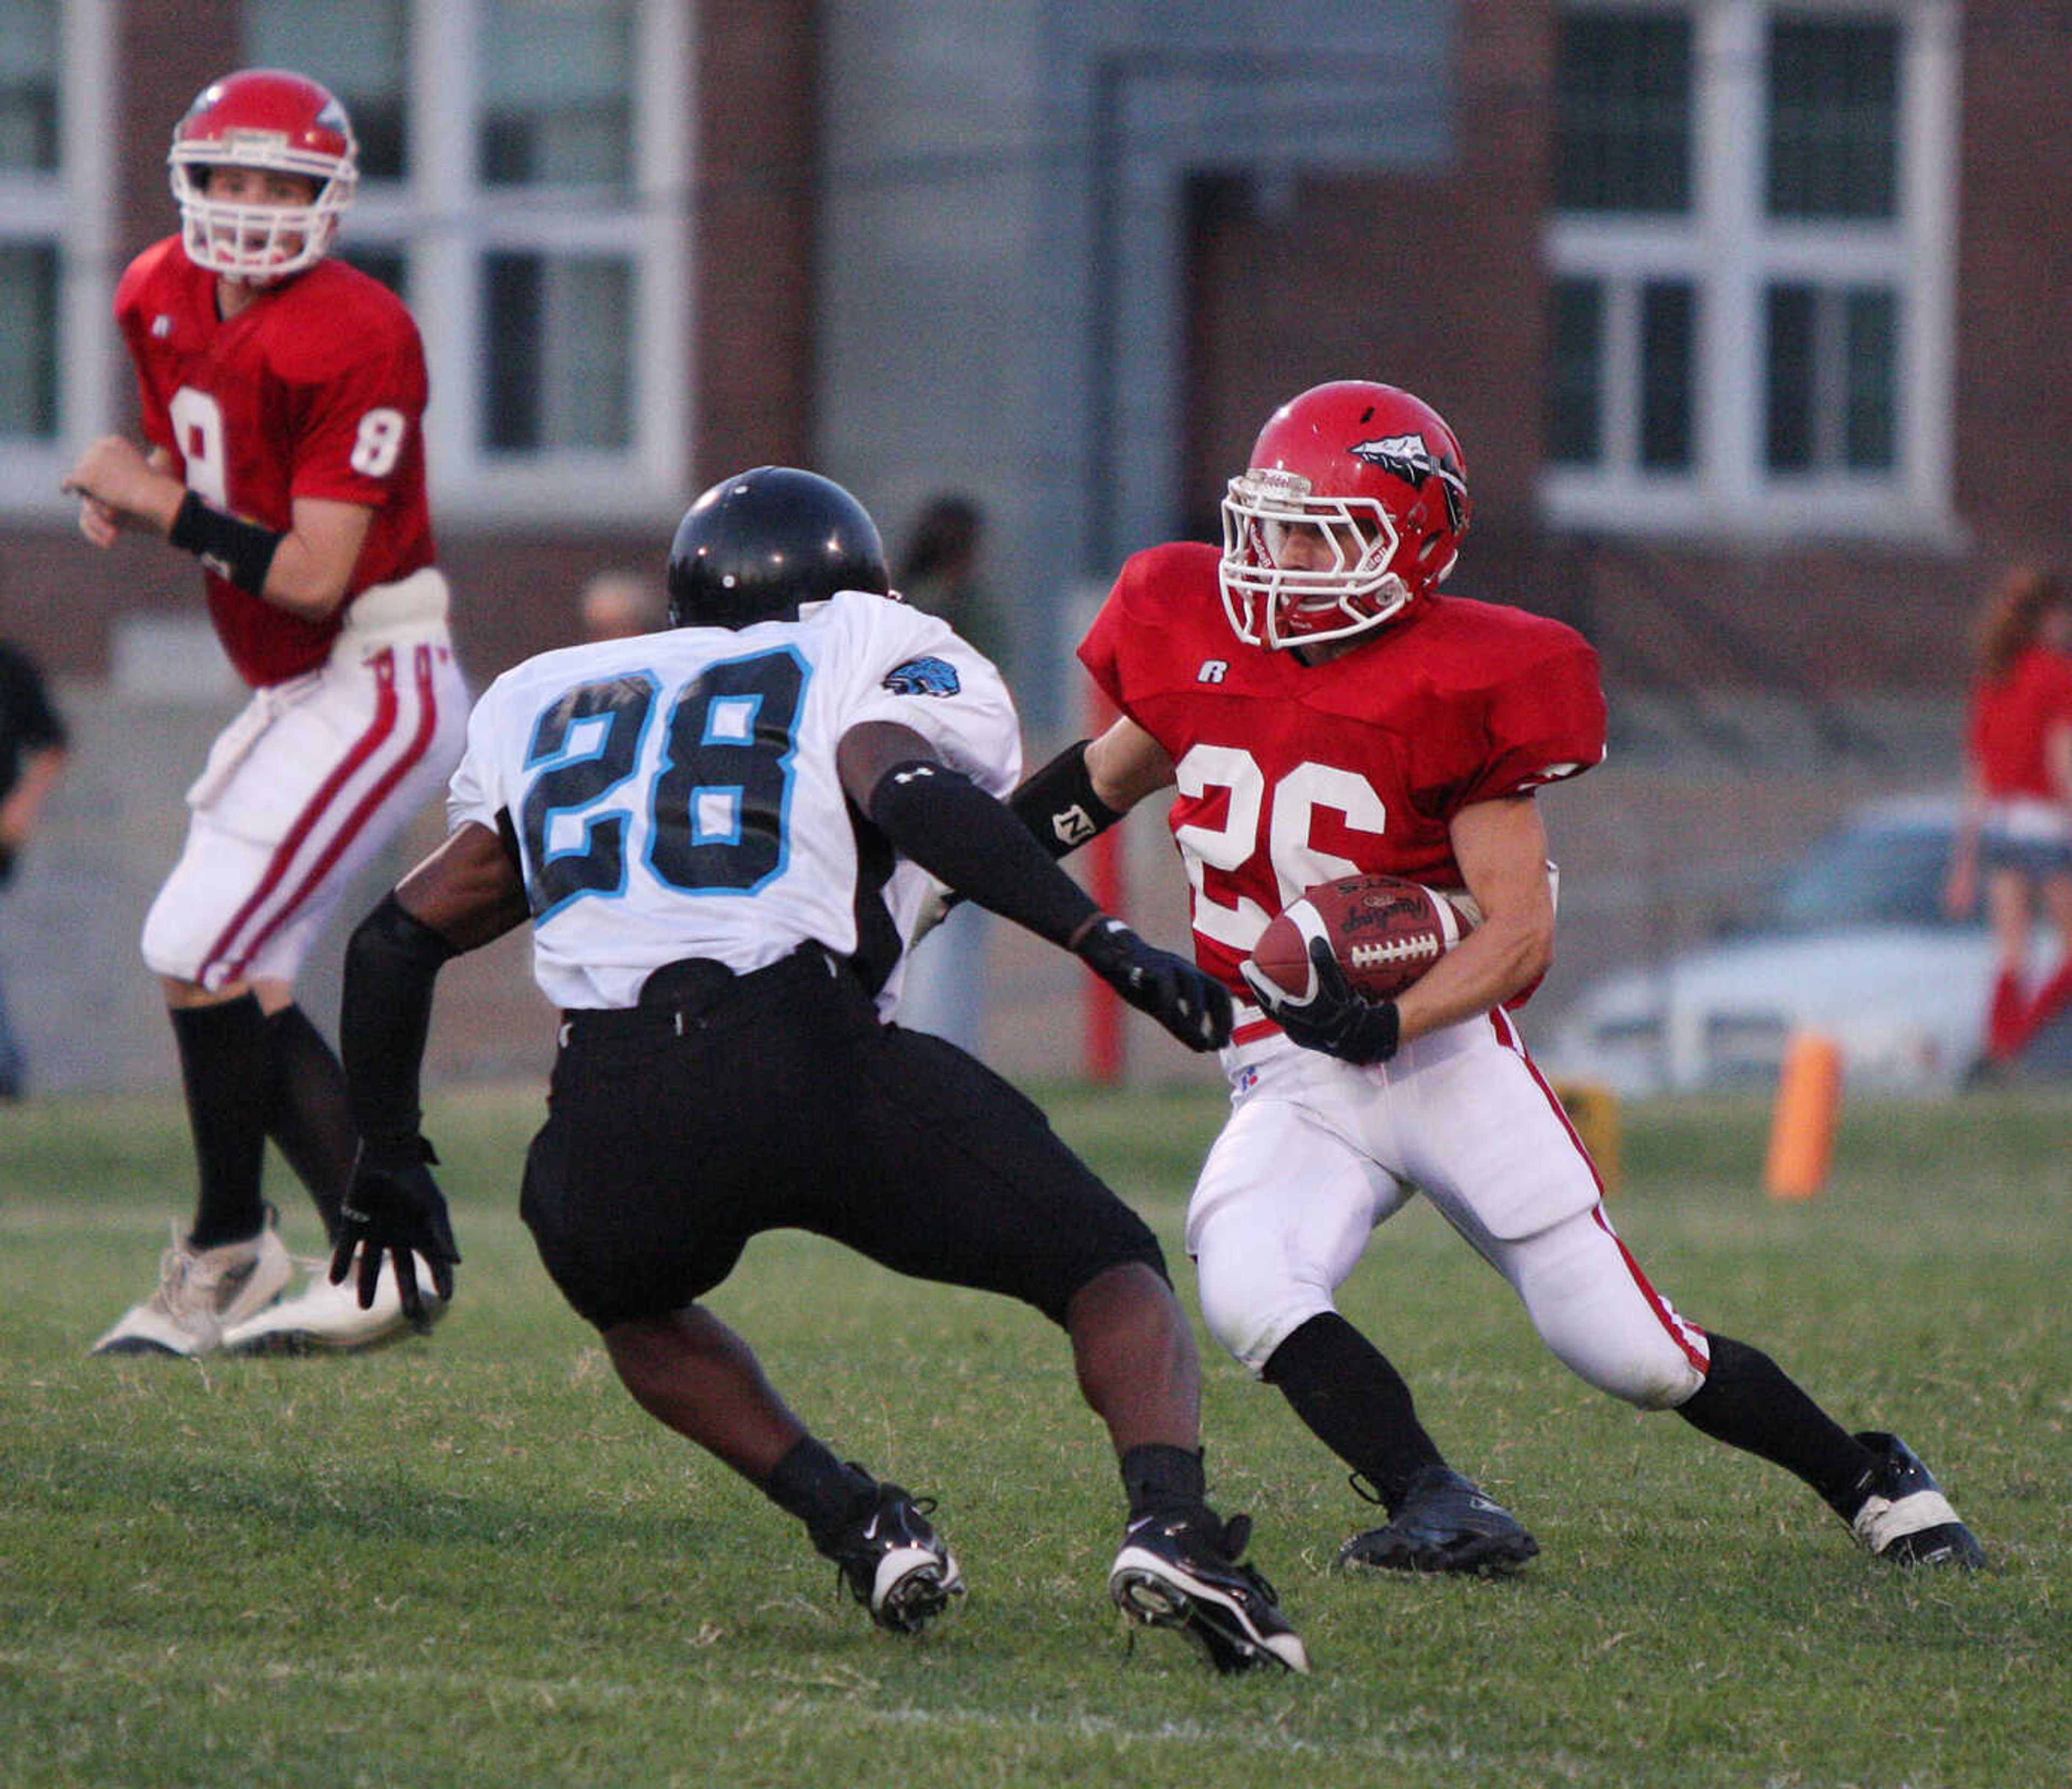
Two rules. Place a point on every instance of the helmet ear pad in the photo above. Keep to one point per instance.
(1434, 557)
(767, 543)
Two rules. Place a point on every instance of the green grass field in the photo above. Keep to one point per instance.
(468, 1560)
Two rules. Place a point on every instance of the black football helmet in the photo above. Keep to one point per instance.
(763, 544)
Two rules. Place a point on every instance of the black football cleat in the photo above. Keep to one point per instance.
(1182, 1571)
(894, 1564)
(1444, 1523)
(1906, 1519)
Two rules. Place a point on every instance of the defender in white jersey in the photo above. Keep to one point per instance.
(706, 827)
(716, 720)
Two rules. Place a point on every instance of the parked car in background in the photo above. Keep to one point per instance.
(1854, 944)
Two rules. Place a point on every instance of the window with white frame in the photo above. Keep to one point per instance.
(29, 259)
(1750, 264)
(523, 169)
(54, 247)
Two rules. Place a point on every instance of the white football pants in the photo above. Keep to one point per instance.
(312, 779)
(1317, 1154)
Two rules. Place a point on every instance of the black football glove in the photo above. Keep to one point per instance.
(395, 1207)
(1194, 1007)
(1335, 1019)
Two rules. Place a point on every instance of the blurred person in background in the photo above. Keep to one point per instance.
(32, 752)
(617, 604)
(939, 570)
(2014, 844)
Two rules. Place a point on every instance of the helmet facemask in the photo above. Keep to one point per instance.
(1346, 589)
(273, 122)
(262, 243)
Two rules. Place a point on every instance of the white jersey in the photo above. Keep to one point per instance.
(674, 795)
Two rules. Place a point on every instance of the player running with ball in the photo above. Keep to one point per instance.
(1322, 711)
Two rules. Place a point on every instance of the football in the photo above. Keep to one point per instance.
(1384, 930)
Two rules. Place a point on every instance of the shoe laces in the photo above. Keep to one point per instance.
(190, 1280)
(855, 1537)
(171, 1296)
(1367, 1491)
(903, 1529)
(891, 1497)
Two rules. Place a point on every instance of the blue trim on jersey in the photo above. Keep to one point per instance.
(702, 832)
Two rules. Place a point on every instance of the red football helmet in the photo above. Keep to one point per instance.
(263, 118)
(1353, 508)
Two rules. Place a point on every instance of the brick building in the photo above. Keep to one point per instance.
(1748, 312)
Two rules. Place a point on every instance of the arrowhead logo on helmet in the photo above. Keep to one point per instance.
(1410, 458)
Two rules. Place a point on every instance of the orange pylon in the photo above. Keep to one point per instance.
(1801, 1130)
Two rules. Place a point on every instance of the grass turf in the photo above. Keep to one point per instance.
(469, 1560)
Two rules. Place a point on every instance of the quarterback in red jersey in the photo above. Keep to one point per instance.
(1320, 709)
(281, 396)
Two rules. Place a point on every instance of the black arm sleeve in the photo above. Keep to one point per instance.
(954, 829)
(1057, 803)
(392, 963)
(244, 549)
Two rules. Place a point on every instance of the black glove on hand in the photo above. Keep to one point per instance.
(1335, 1019)
(395, 1207)
(1194, 1007)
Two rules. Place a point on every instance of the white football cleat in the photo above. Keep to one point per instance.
(327, 1316)
(201, 1295)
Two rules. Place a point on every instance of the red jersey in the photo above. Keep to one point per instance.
(2012, 716)
(1290, 775)
(316, 388)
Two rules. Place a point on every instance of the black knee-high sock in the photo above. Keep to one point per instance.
(223, 1068)
(1354, 1402)
(307, 1114)
(1747, 1401)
